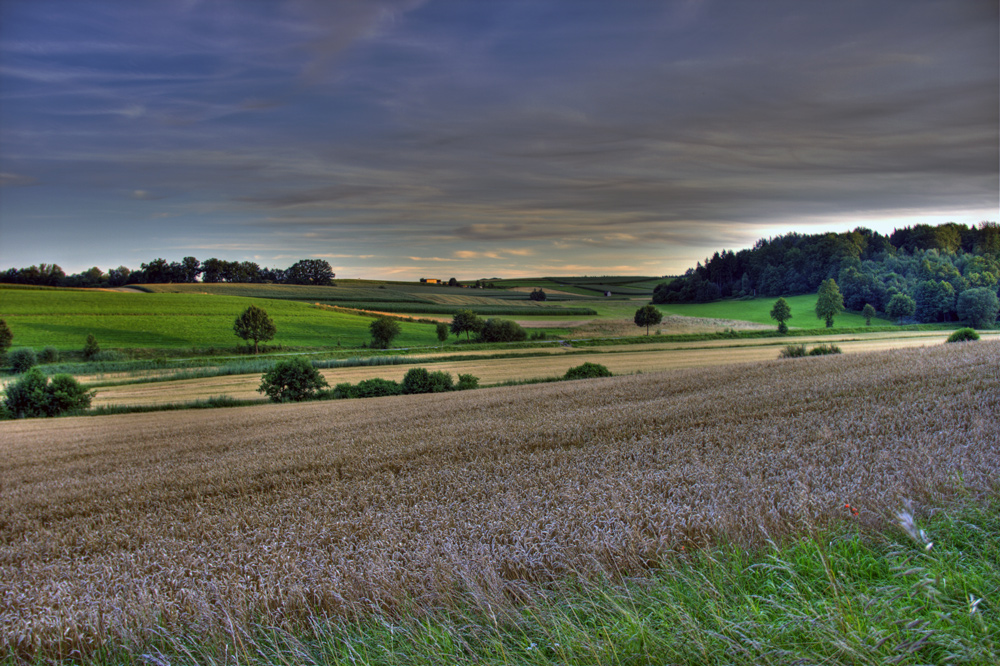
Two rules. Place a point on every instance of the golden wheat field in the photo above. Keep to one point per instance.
(210, 520)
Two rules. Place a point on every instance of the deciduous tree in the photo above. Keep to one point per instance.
(868, 312)
(648, 315)
(383, 330)
(978, 307)
(466, 321)
(781, 312)
(830, 303)
(900, 306)
(254, 324)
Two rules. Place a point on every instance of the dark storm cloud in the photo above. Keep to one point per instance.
(574, 126)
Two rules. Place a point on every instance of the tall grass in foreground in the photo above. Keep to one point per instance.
(839, 596)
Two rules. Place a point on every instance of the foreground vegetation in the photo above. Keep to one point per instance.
(838, 596)
(262, 533)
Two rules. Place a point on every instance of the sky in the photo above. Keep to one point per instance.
(400, 139)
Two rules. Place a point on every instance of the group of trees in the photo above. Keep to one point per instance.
(187, 270)
(933, 267)
(486, 330)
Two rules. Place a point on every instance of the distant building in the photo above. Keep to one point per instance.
(430, 281)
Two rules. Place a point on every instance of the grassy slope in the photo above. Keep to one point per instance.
(63, 318)
(757, 310)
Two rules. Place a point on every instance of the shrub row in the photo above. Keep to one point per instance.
(797, 351)
(35, 395)
(296, 379)
(416, 380)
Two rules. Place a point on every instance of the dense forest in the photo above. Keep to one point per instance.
(159, 271)
(930, 267)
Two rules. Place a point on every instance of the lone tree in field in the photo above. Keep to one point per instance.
(90, 347)
(781, 312)
(254, 324)
(466, 321)
(383, 331)
(648, 316)
(830, 302)
(442, 331)
(5, 338)
(868, 312)
(538, 295)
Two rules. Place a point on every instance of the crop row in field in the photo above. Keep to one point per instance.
(273, 515)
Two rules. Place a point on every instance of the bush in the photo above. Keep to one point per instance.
(502, 330)
(22, 360)
(467, 382)
(33, 395)
(963, 335)
(441, 382)
(822, 350)
(49, 355)
(376, 388)
(442, 331)
(793, 351)
(291, 380)
(419, 380)
(341, 392)
(416, 380)
(587, 371)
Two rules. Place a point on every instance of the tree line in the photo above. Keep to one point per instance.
(932, 266)
(187, 270)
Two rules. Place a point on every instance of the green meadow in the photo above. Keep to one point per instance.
(62, 318)
(758, 310)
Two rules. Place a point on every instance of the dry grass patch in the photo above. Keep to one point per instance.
(213, 520)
